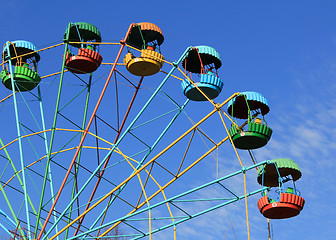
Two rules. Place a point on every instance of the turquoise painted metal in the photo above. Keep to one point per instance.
(152, 147)
(127, 131)
(205, 61)
(22, 55)
(19, 138)
(54, 141)
(8, 221)
(47, 168)
(176, 199)
(268, 175)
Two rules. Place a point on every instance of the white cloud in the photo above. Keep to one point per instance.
(305, 133)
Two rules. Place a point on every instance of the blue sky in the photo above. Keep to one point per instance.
(282, 49)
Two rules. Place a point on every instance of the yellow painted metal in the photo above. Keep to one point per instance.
(172, 75)
(40, 50)
(147, 53)
(144, 192)
(61, 151)
(143, 66)
(185, 153)
(254, 162)
(6, 98)
(195, 85)
(53, 74)
(161, 188)
(60, 44)
(137, 50)
(64, 150)
(218, 106)
(189, 167)
(96, 43)
(119, 64)
(246, 209)
(177, 177)
(245, 191)
(269, 229)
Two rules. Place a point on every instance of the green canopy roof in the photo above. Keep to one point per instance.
(285, 167)
(82, 31)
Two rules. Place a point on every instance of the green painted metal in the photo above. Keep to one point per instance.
(18, 177)
(153, 119)
(81, 32)
(45, 145)
(71, 100)
(150, 149)
(139, 165)
(116, 144)
(173, 199)
(53, 130)
(79, 154)
(276, 168)
(3, 190)
(10, 208)
(80, 144)
(9, 221)
(259, 128)
(198, 214)
(45, 138)
(10, 160)
(19, 137)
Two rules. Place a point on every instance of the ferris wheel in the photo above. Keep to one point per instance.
(97, 140)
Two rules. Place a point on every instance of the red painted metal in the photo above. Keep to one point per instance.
(290, 205)
(108, 159)
(84, 134)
